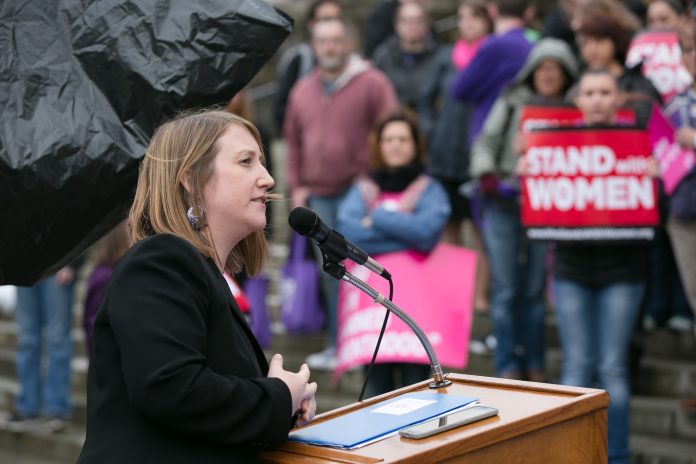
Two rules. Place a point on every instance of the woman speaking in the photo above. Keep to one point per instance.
(176, 375)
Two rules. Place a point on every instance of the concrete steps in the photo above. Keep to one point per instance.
(663, 418)
(658, 450)
(60, 447)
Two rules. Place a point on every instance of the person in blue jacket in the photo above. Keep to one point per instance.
(395, 207)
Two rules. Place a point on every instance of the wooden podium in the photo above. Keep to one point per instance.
(537, 423)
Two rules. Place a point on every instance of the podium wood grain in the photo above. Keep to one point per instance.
(537, 423)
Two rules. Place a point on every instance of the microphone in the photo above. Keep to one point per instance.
(306, 222)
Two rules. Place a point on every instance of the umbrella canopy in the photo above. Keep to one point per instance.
(83, 85)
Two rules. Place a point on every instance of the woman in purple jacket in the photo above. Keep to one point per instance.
(107, 253)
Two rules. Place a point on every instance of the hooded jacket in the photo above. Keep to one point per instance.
(327, 132)
(493, 150)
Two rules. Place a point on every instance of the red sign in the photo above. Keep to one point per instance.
(660, 54)
(542, 117)
(588, 178)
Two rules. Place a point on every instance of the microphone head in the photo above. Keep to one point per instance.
(302, 220)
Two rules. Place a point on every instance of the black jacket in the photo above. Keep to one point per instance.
(641, 94)
(176, 375)
(599, 264)
(446, 127)
(406, 74)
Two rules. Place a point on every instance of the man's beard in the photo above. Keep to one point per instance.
(331, 63)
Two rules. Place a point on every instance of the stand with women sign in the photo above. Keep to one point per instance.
(435, 289)
(589, 184)
(660, 55)
(544, 117)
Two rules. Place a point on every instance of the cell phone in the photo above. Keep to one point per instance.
(448, 421)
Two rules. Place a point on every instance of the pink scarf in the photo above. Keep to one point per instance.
(463, 52)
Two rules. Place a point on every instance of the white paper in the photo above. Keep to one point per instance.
(403, 406)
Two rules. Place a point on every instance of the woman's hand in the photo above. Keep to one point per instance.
(653, 168)
(488, 183)
(519, 143)
(521, 166)
(65, 276)
(298, 384)
(685, 136)
(307, 410)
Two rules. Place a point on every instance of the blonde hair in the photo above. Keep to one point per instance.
(185, 148)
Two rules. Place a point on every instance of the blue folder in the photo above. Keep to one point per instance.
(368, 424)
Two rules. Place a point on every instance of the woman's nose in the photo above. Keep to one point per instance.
(266, 180)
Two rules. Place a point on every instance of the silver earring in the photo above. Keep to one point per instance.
(196, 217)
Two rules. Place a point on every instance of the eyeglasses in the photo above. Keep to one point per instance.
(395, 139)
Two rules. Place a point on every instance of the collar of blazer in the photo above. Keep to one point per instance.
(237, 314)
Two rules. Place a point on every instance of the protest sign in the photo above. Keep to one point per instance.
(675, 161)
(660, 53)
(435, 289)
(589, 184)
(541, 117)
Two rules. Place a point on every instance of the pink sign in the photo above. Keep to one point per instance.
(661, 57)
(436, 290)
(675, 161)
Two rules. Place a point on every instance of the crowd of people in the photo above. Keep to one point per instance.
(399, 144)
(468, 96)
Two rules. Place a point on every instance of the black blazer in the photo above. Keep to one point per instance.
(176, 375)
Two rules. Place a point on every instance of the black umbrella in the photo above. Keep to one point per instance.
(83, 84)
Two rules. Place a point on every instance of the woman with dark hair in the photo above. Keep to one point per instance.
(667, 304)
(603, 40)
(444, 121)
(396, 207)
(681, 223)
(666, 15)
(107, 253)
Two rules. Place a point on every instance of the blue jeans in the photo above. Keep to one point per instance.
(595, 326)
(327, 209)
(44, 308)
(517, 300)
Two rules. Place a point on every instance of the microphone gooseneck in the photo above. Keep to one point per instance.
(336, 248)
(439, 377)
